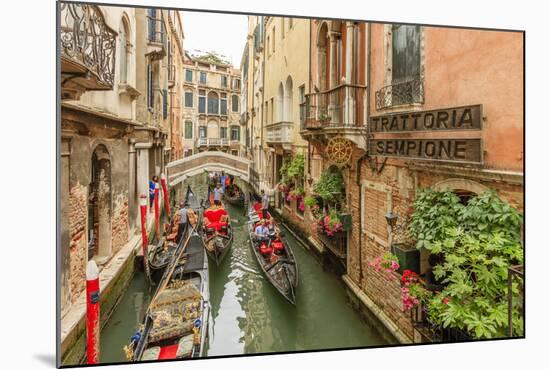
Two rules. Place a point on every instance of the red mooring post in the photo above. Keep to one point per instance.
(165, 192)
(92, 313)
(157, 215)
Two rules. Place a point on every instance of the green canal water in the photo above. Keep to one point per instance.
(247, 314)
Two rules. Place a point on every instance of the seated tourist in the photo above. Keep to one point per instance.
(262, 232)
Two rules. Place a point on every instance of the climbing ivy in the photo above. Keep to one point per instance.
(478, 242)
(293, 169)
(330, 186)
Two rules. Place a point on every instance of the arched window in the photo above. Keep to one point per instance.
(288, 100)
(124, 51)
(323, 57)
(213, 103)
(280, 103)
(235, 103)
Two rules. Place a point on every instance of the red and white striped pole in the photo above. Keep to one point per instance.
(157, 215)
(144, 241)
(165, 192)
(92, 313)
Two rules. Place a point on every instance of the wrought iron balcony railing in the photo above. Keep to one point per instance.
(403, 93)
(87, 41)
(341, 106)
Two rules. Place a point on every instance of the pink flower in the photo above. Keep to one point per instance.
(446, 300)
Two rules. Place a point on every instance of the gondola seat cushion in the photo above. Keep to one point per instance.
(168, 352)
(152, 353)
(215, 218)
(278, 245)
(185, 346)
(266, 250)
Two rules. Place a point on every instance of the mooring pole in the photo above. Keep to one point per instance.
(165, 192)
(157, 215)
(144, 241)
(92, 313)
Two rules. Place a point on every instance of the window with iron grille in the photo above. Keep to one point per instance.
(235, 133)
(188, 99)
(188, 75)
(223, 132)
(188, 129)
(202, 131)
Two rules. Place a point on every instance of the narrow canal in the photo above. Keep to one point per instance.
(248, 315)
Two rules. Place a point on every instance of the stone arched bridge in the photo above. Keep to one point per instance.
(210, 161)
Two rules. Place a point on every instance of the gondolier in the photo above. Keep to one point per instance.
(183, 219)
(218, 192)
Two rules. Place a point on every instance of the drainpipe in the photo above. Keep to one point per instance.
(364, 156)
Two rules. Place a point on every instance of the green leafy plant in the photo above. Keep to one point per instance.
(295, 169)
(330, 186)
(310, 201)
(479, 242)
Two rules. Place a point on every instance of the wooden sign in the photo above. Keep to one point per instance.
(465, 150)
(461, 118)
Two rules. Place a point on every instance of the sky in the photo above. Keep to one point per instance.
(223, 33)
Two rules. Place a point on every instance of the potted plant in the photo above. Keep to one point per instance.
(324, 117)
(408, 256)
(413, 290)
(387, 263)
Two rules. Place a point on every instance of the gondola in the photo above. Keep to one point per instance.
(176, 322)
(277, 260)
(233, 195)
(160, 256)
(217, 233)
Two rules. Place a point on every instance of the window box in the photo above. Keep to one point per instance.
(409, 258)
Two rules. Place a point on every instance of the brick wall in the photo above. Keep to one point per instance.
(119, 222)
(78, 245)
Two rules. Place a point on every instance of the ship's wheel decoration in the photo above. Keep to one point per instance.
(339, 151)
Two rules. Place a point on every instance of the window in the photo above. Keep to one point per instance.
(213, 103)
(302, 97)
(235, 103)
(188, 99)
(202, 131)
(405, 53)
(188, 75)
(273, 40)
(202, 102)
(164, 104)
(223, 132)
(236, 84)
(283, 21)
(271, 115)
(235, 133)
(149, 87)
(223, 104)
(202, 79)
(188, 129)
(235, 152)
(224, 81)
(124, 50)
(290, 23)
(268, 46)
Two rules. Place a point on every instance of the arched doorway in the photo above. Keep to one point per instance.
(323, 57)
(99, 204)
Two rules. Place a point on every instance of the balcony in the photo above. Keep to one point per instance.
(87, 48)
(212, 142)
(338, 111)
(156, 37)
(171, 75)
(398, 94)
(280, 133)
